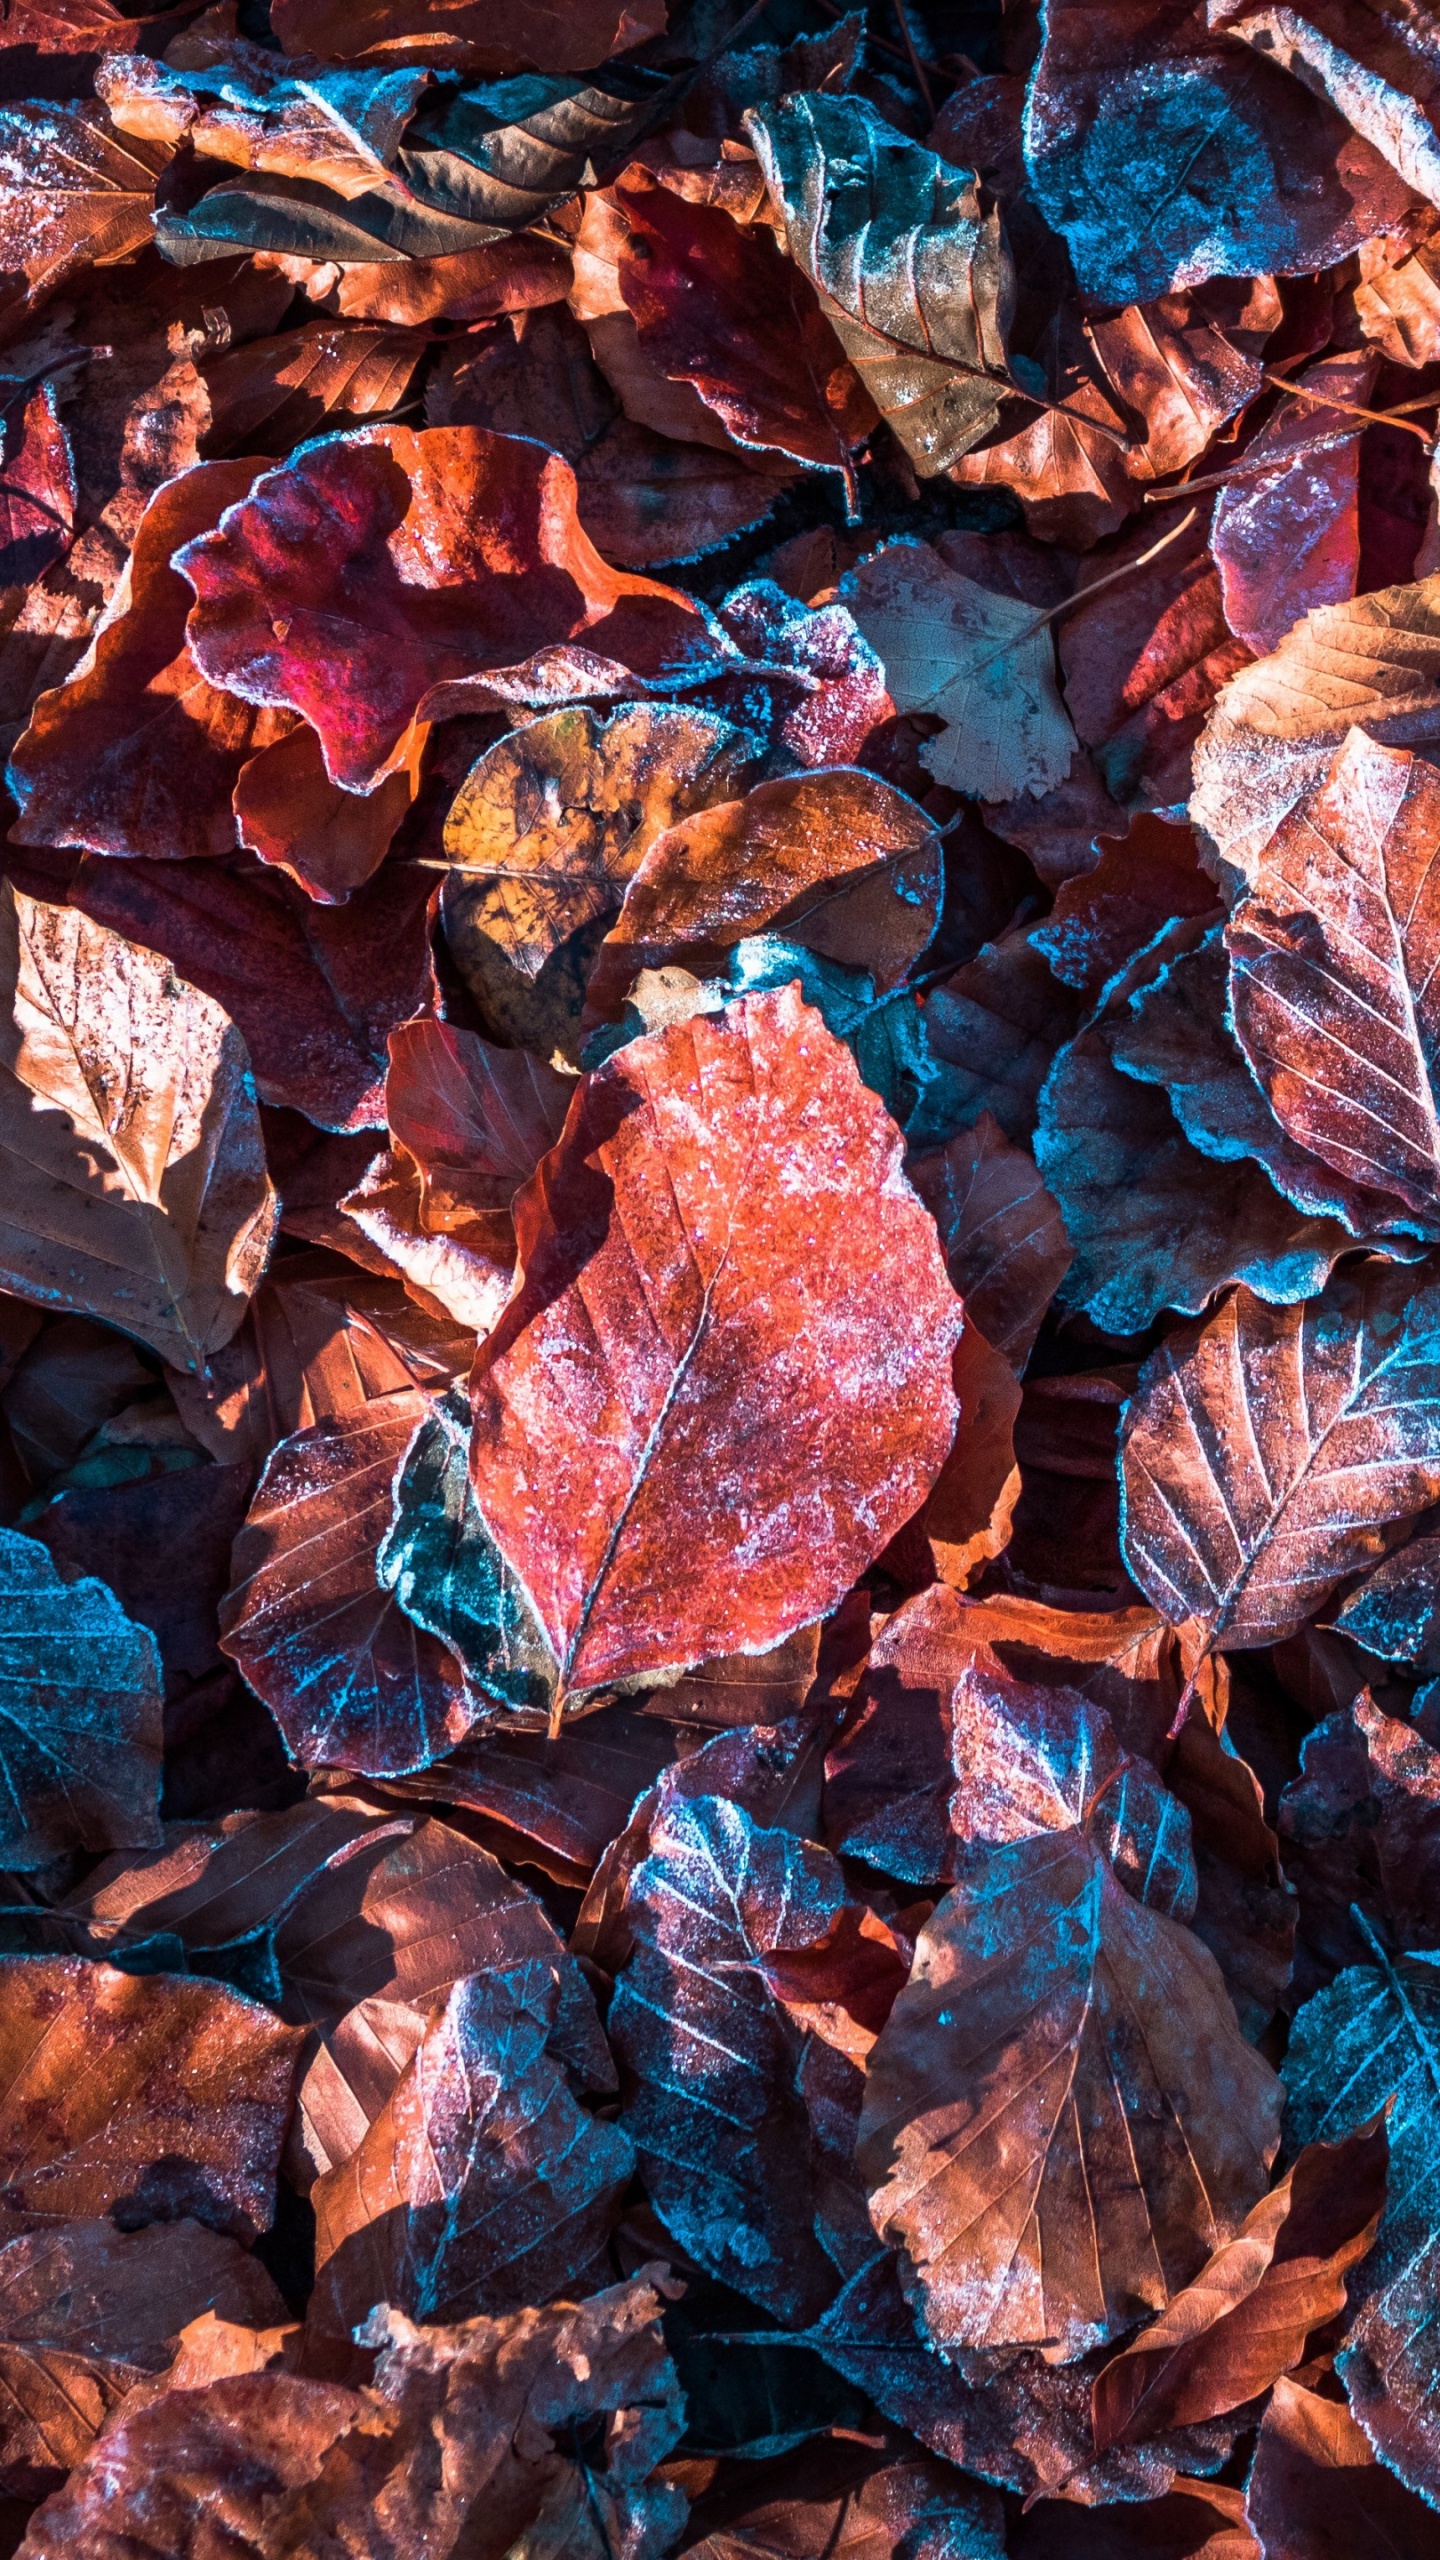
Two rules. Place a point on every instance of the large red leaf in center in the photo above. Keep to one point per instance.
(725, 1382)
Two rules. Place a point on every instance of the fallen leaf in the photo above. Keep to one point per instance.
(139, 2097)
(289, 812)
(1002, 1235)
(1246, 2317)
(843, 2502)
(1165, 155)
(835, 860)
(718, 305)
(475, 1118)
(550, 824)
(129, 1114)
(546, 35)
(743, 1939)
(1374, 2031)
(89, 2312)
(482, 2186)
(703, 1191)
(974, 659)
(351, 1681)
(1012, 2094)
(332, 589)
(1277, 725)
(1316, 2491)
(136, 753)
(1330, 972)
(80, 1697)
(1268, 1448)
(914, 279)
(72, 195)
(314, 991)
(946, 1749)
(1286, 537)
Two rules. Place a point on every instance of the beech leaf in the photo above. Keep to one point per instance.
(126, 1109)
(976, 660)
(914, 279)
(141, 2097)
(1058, 2047)
(81, 1705)
(1267, 1449)
(1371, 2042)
(659, 1236)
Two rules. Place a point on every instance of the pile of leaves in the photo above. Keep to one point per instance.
(720, 1280)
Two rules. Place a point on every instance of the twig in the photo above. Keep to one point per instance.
(1351, 409)
(916, 65)
(1248, 470)
(1054, 612)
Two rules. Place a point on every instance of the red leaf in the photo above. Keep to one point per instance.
(661, 1244)
(373, 566)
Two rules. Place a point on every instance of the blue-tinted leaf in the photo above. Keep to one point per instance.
(1372, 2038)
(449, 1576)
(80, 1714)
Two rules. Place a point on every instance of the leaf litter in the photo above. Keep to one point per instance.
(719, 1305)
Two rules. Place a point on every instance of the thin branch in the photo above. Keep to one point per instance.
(1351, 409)
(1111, 578)
(1248, 470)
(916, 65)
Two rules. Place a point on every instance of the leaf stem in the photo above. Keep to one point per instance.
(1351, 408)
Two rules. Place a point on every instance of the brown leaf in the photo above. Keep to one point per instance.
(835, 860)
(1060, 2116)
(476, 1119)
(137, 1188)
(1267, 1449)
(1246, 2317)
(1144, 661)
(482, 2185)
(1103, 918)
(1003, 1238)
(965, 1518)
(89, 2311)
(716, 304)
(73, 195)
(1276, 725)
(699, 1139)
(1286, 539)
(542, 2429)
(1332, 974)
(137, 753)
(271, 394)
(144, 2097)
(350, 1679)
(1316, 2491)
(464, 1271)
(946, 1748)
(314, 991)
(555, 819)
(289, 812)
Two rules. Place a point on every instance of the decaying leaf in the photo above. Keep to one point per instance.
(549, 826)
(914, 279)
(138, 2096)
(1057, 2043)
(126, 1109)
(977, 661)
(1246, 1450)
